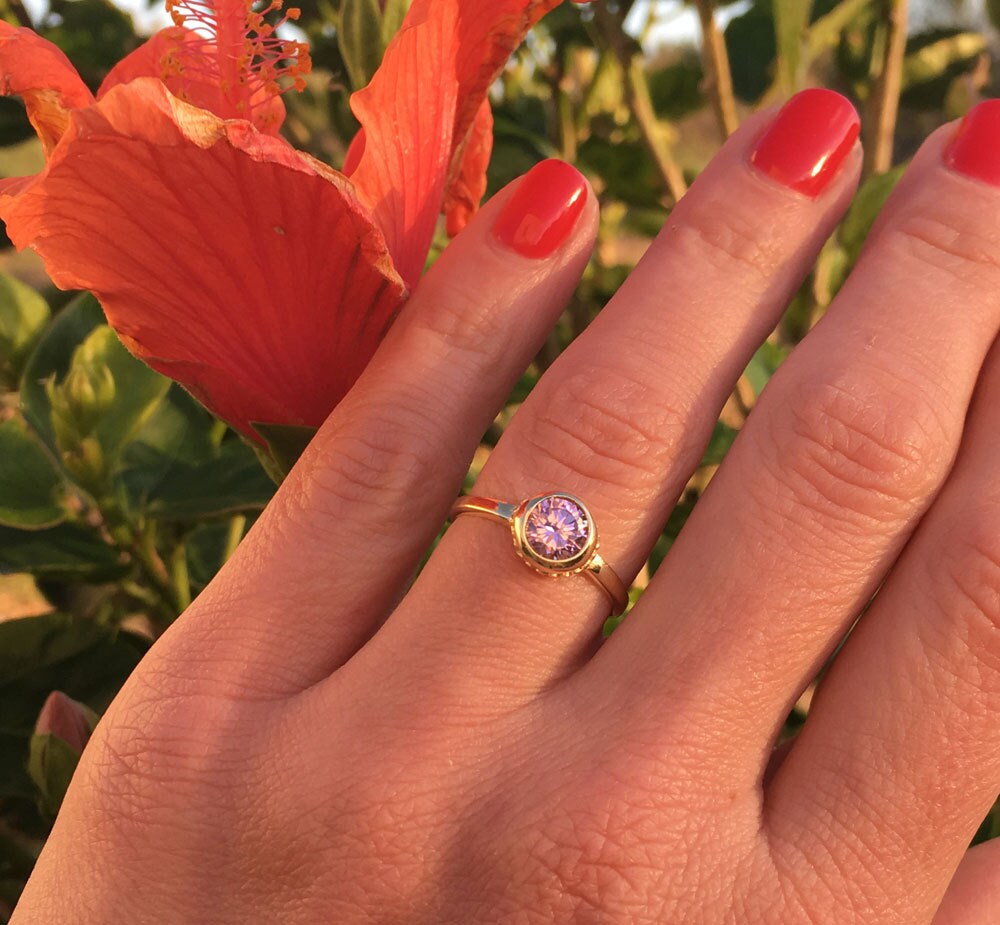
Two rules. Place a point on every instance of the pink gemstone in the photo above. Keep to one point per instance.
(557, 528)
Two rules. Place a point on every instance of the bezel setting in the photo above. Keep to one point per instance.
(542, 564)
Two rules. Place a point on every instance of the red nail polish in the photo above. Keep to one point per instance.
(808, 141)
(543, 209)
(975, 150)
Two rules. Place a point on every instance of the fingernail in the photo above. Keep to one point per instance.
(543, 209)
(975, 150)
(808, 141)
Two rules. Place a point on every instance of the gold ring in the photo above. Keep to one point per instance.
(555, 535)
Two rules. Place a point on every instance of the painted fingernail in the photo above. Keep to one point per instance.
(975, 150)
(808, 141)
(543, 209)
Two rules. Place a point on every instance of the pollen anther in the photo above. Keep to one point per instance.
(233, 45)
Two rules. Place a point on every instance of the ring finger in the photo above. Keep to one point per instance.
(621, 419)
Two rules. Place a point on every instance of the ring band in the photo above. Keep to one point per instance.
(555, 535)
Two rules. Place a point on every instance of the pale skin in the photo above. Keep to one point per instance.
(315, 742)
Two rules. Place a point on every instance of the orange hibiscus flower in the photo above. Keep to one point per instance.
(253, 274)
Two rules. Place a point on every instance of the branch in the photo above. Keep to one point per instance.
(719, 78)
(883, 107)
(611, 31)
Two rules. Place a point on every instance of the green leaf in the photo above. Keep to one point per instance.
(184, 463)
(359, 34)
(676, 90)
(722, 439)
(827, 30)
(209, 545)
(938, 59)
(764, 364)
(393, 13)
(86, 660)
(67, 552)
(14, 780)
(790, 20)
(626, 167)
(867, 204)
(178, 430)
(51, 764)
(230, 481)
(52, 356)
(285, 444)
(31, 486)
(23, 315)
(675, 524)
(750, 44)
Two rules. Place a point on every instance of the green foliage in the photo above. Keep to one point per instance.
(790, 21)
(364, 29)
(933, 62)
(359, 32)
(69, 552)
(31, 487)
(93, 33)
(285, 444)
(23, 314)
(865, 208)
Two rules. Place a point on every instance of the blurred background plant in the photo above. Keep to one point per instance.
(120, 496)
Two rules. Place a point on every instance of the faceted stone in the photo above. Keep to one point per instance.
(556, 528)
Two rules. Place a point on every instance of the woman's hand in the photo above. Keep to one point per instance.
(307, 746)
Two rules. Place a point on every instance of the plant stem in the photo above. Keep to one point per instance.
(612, 32)
(180, 580)
(237, 524)
(719, 76)
(565, 125)
(883, 107)
(155, 572)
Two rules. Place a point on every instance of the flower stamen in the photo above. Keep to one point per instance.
(233, 47)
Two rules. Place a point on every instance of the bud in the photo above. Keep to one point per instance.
(85, 462)
(67, 719)
(61, 732)
(77, 405)
(88, 391)
(84, 395)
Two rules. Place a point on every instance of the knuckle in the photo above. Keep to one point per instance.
(162, 750)
(723, 237)
(950, 242)
(459, 320)
(589, 427)
(859, 447)
(380, 458)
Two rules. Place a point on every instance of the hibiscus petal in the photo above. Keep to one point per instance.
(466, 190)
(37, 71)
(420, 105)
(268, 111)
(224, 258)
